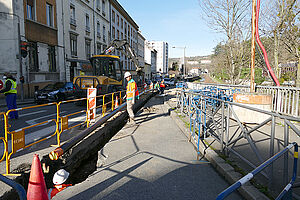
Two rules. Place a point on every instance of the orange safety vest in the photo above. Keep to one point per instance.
(53, 191)
(131, 88)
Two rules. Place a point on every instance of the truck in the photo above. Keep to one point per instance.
(107, 71)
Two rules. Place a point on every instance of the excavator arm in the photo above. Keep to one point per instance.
(124, 47)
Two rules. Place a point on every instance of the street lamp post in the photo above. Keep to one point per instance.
(184, 66)
(19, 46)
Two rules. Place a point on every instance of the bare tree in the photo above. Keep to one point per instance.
(279, 20)
(232, 18)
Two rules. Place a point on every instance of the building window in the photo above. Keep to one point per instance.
(113, 16)
(113, 33)
(87, 23)
(118, 20)
(98, 4)
(88, 49)
(31, 9)
(73, 41)
(121, 23)
(104, 34)
(49, 14)
(52, 58)
(122, 36)
(98, 48)
(72, 15)
(33, 57)
(118, 34)
(98, 29)
(103, 7)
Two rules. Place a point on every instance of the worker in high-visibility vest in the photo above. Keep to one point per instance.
(132, 94)
(162, 86)
(59, 179)
(10, 92)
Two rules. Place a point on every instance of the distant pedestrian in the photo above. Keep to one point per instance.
(10, 92)
(132, 94)
(162, 87)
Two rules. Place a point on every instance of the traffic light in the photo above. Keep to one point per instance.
(23, 47)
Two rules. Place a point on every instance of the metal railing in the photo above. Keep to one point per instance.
(215, 120)
(257, 170)
(61, 123)
(285, 100)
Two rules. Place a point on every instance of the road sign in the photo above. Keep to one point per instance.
(1, 84)
(91, 95)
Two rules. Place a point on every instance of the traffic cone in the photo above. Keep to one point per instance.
(117, 102)
(37, 187)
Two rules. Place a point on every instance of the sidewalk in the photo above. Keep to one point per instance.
(151, 160)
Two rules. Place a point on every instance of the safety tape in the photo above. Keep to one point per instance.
(49, 137)
(19, 149)
(246, 178)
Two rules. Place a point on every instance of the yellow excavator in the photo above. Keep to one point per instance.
(107, 73)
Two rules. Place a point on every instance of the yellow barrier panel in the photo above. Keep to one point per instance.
(18, 140)
(64, 123)
(18, 136)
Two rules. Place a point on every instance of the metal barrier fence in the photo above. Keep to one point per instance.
(286, 100)
(257, 170)
(215, 120)
(18, 140)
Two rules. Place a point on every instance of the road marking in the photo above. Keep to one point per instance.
(32, 113)
(33, 121)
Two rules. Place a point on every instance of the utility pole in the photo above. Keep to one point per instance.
(252, 83)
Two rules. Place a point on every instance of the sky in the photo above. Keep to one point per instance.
(177, 22)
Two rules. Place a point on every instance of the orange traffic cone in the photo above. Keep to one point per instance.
(117, 102)
(37, 187)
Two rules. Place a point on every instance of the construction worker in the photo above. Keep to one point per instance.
(10, 92)
(58, 179)
(162, 86)
(157, 86)
(132, 94)
(151, 85)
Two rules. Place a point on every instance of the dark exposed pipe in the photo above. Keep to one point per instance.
(54, 155)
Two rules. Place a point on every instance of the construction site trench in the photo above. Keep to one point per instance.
(81, 159)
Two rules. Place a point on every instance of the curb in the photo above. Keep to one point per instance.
(248, 191)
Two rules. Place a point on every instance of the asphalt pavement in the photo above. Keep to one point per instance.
(150, 160)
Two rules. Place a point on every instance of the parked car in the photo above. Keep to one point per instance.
(58, 91)
(169, 82)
